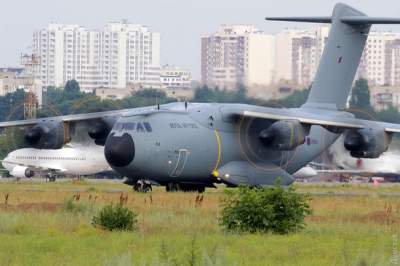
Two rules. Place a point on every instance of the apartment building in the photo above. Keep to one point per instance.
(12, 79)
(237, 54)
(298, 53)
(117, 56)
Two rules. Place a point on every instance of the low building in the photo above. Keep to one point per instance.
(176, 82)
(113, 93)
(383, 97)
(12, 79)
(173, 77)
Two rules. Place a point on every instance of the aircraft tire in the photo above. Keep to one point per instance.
(142, 186)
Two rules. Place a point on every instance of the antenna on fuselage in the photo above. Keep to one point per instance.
(158, 105)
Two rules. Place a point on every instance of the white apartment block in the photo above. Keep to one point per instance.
(235, 55)
(380, 63)
(118, 56)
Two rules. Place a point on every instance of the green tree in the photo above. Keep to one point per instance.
(72, 87)
(360, 104)
(390, 115)
(296, 99)
(12, 105)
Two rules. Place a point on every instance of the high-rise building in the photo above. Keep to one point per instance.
(118, 56)
(237, 55)
(298, 53)
(380, 61)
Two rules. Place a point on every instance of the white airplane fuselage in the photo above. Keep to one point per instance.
(69, 161)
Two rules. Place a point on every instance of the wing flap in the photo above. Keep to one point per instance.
(304, 120)
(312, 118)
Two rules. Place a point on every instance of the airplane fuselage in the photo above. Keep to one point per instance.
(69, 161)
(189, 145)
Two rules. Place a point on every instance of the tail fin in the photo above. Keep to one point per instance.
(341, 56)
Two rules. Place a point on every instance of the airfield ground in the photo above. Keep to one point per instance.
(351, 225)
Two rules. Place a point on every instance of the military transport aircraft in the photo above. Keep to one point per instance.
(193, 146)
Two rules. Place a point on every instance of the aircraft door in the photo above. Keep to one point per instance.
(181, 162)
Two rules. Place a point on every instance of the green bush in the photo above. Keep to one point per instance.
(115, 218)
(261, 210)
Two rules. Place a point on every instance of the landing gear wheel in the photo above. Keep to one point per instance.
(174, 187)
(143, 186)
(51, 177)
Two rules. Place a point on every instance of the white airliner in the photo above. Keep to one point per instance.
(76, 160)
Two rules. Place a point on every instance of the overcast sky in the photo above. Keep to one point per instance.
(181, 22)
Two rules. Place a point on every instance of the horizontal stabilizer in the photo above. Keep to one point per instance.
(363, 20)
(302, 19)
(353, 20)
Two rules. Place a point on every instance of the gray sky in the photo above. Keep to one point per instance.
(181, 22)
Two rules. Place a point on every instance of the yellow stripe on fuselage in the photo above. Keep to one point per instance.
(219, 150)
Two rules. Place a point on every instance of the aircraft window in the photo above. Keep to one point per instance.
(147, 126)
(140, 127)
(129, 126)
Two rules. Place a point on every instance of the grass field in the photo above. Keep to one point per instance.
(36, 228)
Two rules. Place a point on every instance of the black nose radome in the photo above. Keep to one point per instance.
(119, 151)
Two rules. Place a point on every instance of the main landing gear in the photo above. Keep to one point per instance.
(50, 177)
(175, 187)
(143, 186)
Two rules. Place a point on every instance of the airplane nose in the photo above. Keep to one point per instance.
(119, 151)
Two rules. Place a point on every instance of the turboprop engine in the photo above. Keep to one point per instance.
(100, 129)
(367, 142)
(283, 135)
(47, 134)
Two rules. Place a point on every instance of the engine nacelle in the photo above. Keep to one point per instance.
(47, 134)
(100, 129)
(22, 172)
(284, 135)
(367, 142)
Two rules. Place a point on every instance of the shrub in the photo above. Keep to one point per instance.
(115, 218)
(261, 210)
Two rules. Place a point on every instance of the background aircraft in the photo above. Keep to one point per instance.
(191, 146)
(386, 166)
(77, 160)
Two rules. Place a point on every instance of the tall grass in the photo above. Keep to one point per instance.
(43, 226)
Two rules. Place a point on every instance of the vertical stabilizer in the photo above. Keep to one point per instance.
(340, 60)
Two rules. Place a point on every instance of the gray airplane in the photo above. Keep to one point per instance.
(193, 146)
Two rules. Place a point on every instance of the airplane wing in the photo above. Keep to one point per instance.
(314, 116)
(35, 167)
(79, 117)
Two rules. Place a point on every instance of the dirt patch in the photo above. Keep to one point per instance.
(31, 207)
